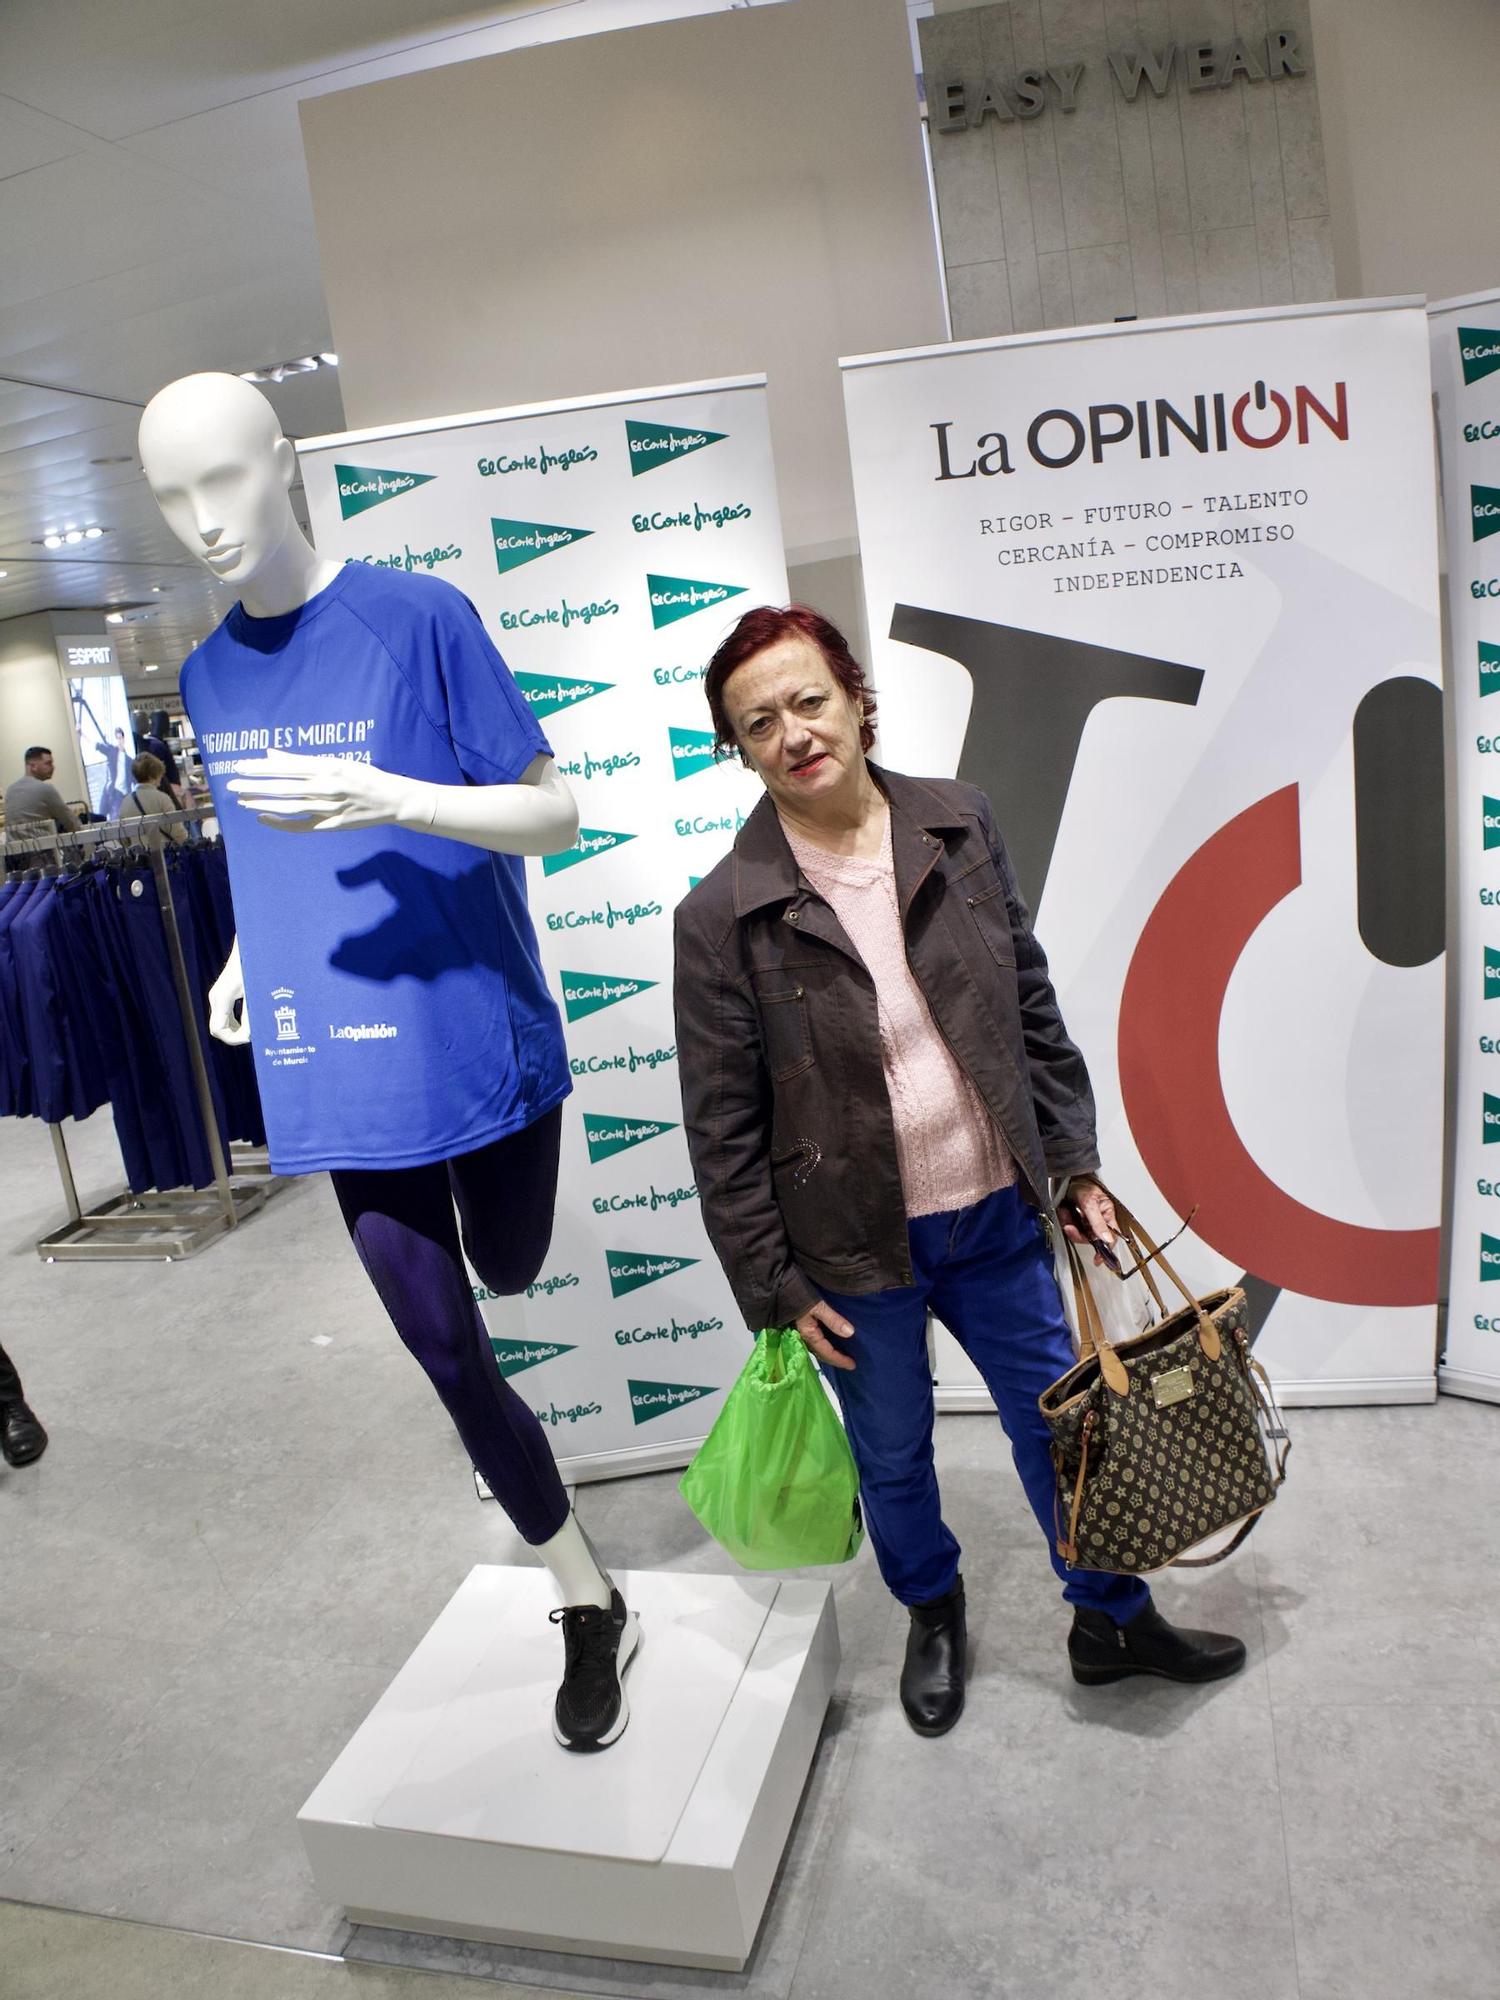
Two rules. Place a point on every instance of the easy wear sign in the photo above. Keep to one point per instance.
(608, 545)
(1168, 594)
(1465, 360)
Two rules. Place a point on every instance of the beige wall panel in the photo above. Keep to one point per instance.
(708, 197)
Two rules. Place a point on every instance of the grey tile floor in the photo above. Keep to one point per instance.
(239, 1534)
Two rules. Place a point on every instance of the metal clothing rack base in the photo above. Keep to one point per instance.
(174, 1223)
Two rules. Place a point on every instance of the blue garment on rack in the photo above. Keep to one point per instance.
(140, 908)
(95, 998)
(396, 997)
(41, 1006)
(159, 1127)
(13, 1063)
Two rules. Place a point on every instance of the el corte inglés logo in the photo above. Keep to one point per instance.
(1489, 668)
(588, 992)
(1492, 822)
(516, 1356)
(591, 840)
(607, 1136)
(692, 750)
(674, 597)
(651, 445)
(656, 1399)
(1484, 510)
(630, 1269)
(1479, 350)
(518, 542)
(1491, 1119)
(1489, 1258)
(362, 486)
(552, 694)
(1491, 974)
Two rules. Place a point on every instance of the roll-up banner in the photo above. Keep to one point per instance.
(1168, 593)
(608, 545)
(1466, 378)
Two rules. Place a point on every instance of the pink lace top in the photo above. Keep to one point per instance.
(949, 1151)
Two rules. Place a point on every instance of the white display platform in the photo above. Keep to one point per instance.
(453, 1810)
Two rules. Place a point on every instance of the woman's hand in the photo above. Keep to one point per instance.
(1097, 1211)
(819, 1326)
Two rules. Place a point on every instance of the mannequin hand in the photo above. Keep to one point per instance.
(321, 794)
(227, 993)
(816, 1325)
(1098, 1213)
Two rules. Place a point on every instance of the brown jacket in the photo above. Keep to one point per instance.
(784, 1098)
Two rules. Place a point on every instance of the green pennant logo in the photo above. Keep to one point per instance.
(1479, 350)
(1491, 974)
(1484, 511)
(516, 1356)
(518, 542)
(674, 597)
(589, 992)
(1489, 1260)
(1491, 1119)
(591, 840)
(692, 750)
(552, 694)
(1492, 822)
(1489, 668)
(629, 1269)
(608, 1136)
(652, 445)
(657, 1399)
(694, 880)
(364, 486)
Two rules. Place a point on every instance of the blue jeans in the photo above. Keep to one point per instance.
(986, 1271)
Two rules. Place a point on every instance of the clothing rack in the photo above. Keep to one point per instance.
(176, 1222)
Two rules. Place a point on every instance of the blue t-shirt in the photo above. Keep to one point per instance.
(397, 1007)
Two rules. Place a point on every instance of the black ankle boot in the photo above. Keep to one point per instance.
(1101, 1650)
(22, 1438)
(932, 1675)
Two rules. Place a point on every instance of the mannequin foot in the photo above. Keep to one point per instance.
(22, 1438)
(592, 1708)
(932, 1676)
(1101, 1651)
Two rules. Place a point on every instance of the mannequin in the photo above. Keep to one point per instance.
(454, 1094)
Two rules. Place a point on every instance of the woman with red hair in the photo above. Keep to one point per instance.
(878, 1092)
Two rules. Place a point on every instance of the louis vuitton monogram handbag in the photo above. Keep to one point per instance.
(1160, 1442)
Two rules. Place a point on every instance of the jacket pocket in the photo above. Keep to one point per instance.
(784, 1027)
(984, 896)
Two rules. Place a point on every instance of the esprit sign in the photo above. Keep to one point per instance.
(961, 103)
(87, 655)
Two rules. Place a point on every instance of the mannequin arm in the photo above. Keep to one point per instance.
(536, 815)
(227, 993)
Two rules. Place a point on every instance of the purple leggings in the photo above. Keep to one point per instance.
(403, 1225)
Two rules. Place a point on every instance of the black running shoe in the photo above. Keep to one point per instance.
(591, 1710)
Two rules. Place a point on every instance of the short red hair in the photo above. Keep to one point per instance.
(765, 626)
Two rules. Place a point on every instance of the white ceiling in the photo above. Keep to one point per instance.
(155, 220)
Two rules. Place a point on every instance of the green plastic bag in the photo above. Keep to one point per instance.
(774, 1481)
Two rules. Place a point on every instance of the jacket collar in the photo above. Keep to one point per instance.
(765, 869)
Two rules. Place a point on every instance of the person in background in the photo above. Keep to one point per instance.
(156, 739)
(117, 756)
(33, 802)
(878, 1090)
(148, 797)
(22, 1438)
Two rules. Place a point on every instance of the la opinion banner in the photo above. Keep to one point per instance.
(1466, 377)
(1168, 593)
(608, 546)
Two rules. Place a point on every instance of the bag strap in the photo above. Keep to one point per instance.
(1137, 1236)
(1093, 1342)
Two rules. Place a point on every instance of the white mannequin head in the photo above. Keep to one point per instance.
(221, 472)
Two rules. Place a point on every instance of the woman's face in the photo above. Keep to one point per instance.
(794, 722)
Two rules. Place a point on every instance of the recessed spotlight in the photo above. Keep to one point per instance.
(329, 360)
(4, 572)
(92, 534)
(114, 617)
(158, 588)
(73, 535)
(52, 541)
(153, 668)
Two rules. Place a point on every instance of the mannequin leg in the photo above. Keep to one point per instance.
(506, 1193)
(405, 1231)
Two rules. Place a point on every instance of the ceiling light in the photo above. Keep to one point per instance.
(153, 668)
(158, 588)
(114, 617)
(73, 535)
(52, 541)
(329, 360)
(92, 534)
(278, 371)
(115, 458)
(4, 572)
